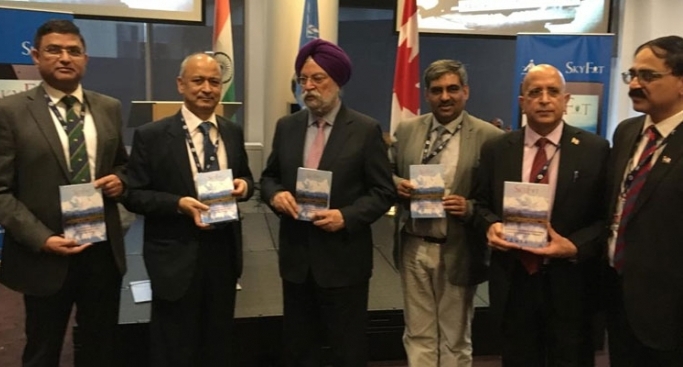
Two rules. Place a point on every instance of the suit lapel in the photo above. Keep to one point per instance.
(622, 157)
(570, 156)
(179, 151)
(667, 159)
(513, 155)
(338, 137)
(466, 152)
(416, 145)
(230, 146)
(42, 117)
(100, 119)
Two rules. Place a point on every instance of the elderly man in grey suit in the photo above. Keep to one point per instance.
(439, 259)
(60, 134)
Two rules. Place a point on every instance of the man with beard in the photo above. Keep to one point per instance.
(193, 266)
(326, 264)
(439, 259)
(542, 298)
(645, 280)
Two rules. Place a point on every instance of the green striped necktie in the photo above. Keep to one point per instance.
(78, 154)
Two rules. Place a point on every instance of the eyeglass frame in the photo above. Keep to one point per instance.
(57, 51)
(643, 75)
(316, 79)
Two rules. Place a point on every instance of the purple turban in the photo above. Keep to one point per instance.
(329, 56)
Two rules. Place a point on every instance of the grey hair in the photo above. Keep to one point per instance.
(439, 68)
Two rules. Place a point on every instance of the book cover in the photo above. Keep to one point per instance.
(83, 213)
(426, 198)
(312, 191)
(525, 213)
(214, 189)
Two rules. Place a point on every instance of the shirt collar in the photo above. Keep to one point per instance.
(56, 95)
(329, 117)
(665, 126)
(192, 121)
(530, 136)
(451, 126)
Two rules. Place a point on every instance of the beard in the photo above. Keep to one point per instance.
(318, 105)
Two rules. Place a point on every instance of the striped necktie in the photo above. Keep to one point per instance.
(78, 154)
(637, 182)
(210, 157)
(532, 262)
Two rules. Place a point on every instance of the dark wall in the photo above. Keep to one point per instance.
(372, 48)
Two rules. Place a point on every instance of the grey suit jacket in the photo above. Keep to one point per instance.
(652, 278)
(464, 256)
(32, 167)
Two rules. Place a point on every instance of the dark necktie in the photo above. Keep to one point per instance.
(532, 262)
(78, 154)
(645, 162)
(315, 152)
(210, 157)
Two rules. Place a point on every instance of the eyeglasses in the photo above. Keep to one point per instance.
(643, 75)
(57, 51)
(316, 79)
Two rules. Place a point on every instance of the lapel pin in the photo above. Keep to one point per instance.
(575, 141)
(666, 160)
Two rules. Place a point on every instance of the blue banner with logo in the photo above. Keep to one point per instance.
(585, 62)
(18, 27)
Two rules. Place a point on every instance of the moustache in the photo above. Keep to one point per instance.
(311, 93)
(638, 93)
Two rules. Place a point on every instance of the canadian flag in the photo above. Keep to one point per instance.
(405, 100)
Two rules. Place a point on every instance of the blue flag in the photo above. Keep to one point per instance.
(309, 31)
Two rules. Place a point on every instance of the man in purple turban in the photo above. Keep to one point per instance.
(326, 256)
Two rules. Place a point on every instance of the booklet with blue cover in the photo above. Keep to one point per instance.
(83, 213)
(214, 188)
(525, 213)
(312, 191)
(426, 198)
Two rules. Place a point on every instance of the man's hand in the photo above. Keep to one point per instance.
(494, 235)
(193, 208)
(111, 186)
(62, 246)
(557, 247)
(330, 220)
(455, 205)
(285, 203)
(404, 189)
(240, 187)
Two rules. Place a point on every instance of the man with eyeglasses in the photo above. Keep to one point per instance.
(439, 259)
(542, 299)
(326, 263)
(61, 134)
(645, 277)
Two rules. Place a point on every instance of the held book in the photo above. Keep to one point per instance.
(525, 213)
(426, 198)
(214, 188)
(83, 213)
(312, 191)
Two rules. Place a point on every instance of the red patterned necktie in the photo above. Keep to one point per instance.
(532, 262)
(637, 180)
(315, 152)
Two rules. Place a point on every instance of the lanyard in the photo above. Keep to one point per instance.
(426, 156)
(188, 138)
(544, 170)
(53, 107)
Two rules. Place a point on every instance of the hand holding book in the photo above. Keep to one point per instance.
(558, 246)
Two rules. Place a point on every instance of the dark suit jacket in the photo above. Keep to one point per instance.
(466, 261)
(577, 209)
(362, 189)
(653, 257)
(32, 167)
(159, 175)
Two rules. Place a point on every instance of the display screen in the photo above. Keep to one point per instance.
(509, 17)
(164, 10)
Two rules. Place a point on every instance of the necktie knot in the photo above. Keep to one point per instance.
(205, 128)
(652, 133)
(542, 142)
(69, 101)
(321, 123)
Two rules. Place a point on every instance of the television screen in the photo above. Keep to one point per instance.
(509, 17)
(164, 10)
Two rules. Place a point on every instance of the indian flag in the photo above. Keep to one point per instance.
(222, 48)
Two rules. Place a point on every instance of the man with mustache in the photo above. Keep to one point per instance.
(439, 260)
(543, 298)
(644, 276)
(54, 135)
(193, 266)
(326, 264)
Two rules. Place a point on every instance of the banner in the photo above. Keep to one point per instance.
(585, 62)
(309, 31)
(222, 47)
(405, 99)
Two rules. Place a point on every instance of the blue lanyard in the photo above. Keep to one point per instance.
(53, 107)
(188, 138)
